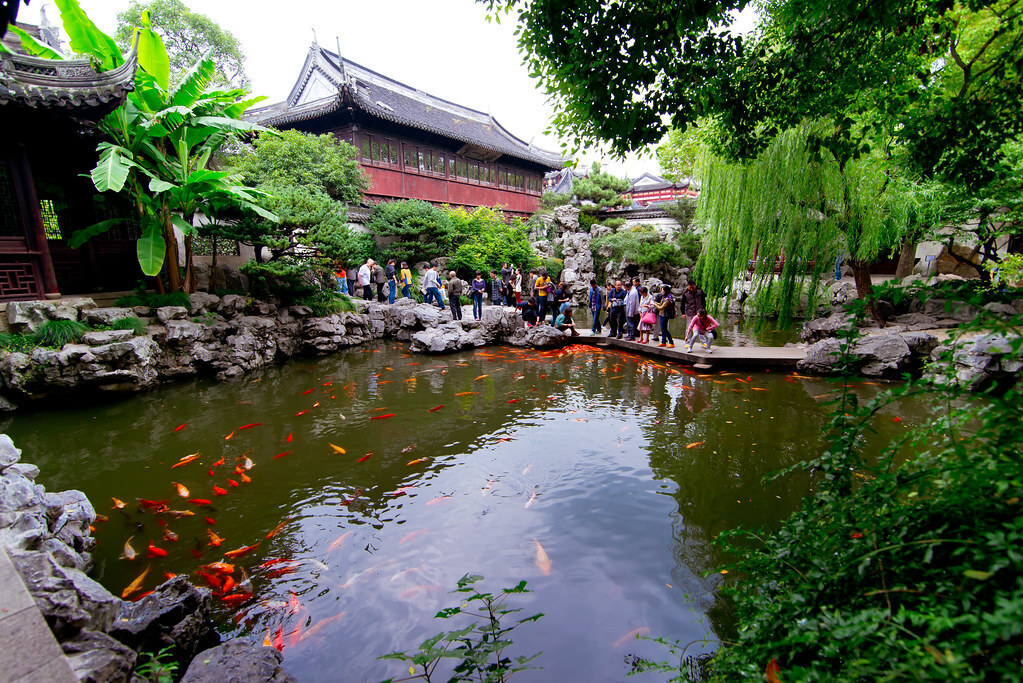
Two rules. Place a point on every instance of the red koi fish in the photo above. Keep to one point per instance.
(241, 551)
(307, 392)
(276, 560)
(288, 440)
(180, 427)
(213, 581)
(200, 501)
(217, 491)
(154, 551)
(349, 501)
(382, 417)
(219, 462)
(365, 457)
(185, 460)
(433, 410)
(277, 573)
(301, 412)
(236, 600)
(278, 641)
(151, 504)
(514, 400)
(277, 529)
(211, 521)
(232, 482)
(281, 455)
(250, 426)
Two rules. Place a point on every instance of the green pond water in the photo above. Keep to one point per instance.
(621, 467)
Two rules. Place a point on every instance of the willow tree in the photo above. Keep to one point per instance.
(802, 204)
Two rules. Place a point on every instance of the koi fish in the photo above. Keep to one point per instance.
(317, 404)
(246, 462)
(218, 568)
(695, 444)
(382, 417)
(232, 482)
(219, 462)
(349, 501)
(236, 600)
(412, 535)
(526, 469)
(151, 504)
(178, 514)
(366, 572)
(307, 392)
(321, 624)
(416, 591)
(301, 412)
(102, 518)
(758, 389)
(200, 501)
(467, 393)
(406, 572)
(435, 409)
(241, 551)
(487, 487)
(167, 576)
(250, 426)
(180, 427)
(281, 455)
(337, 449)
(278, 641)
(185, 460)
(376, 410)
(277, 573)
(337, 543)
(365, 457)
(244, 477)
(416, 461)
(118, 504)
(210, 521)
(215, 540)
(531, 501)
(439, 499)
(288, 440)
(277, 529)
(543, 561)
(154, 551)
(514, 400)
(211, 472)
(631, 635)
(182, 491)
(217, 491)
(560, 381)
(480, 377)
(229, 436)
(135, 585)
(128, 553)
(169, 535)
(408, 449)
(293, 604)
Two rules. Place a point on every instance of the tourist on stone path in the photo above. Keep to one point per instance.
(476, 289)
(631, 311)
(543, 286)
(608, 288)
(366, 279)
(666, 311)
(693, 299)
(342, 277)
(616, 302)
(352, 274)
(431, 285)
(506, 277)
(379, 279)
(702, 326)
(657, 300)
(517, 286)
(564, 322)
(531, 284)
(528, 309)
(596, 296)
(560, 300)
(455, 289)
(496, 285)
(391, 272)
(647, 315)
(405, 280)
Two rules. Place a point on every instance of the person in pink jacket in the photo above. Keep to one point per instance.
(700, 325)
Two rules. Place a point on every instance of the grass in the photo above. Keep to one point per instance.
(57, 333)
(154, 300)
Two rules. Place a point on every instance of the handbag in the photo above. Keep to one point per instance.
(649, 318)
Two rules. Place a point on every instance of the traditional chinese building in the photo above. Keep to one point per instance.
(412, 145)
(48, 109)
(649, 188)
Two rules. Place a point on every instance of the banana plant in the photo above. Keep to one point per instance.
(160, 143)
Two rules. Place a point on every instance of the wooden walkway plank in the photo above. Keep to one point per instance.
(750, 357)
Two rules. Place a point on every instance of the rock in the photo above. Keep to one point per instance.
(1004, 310)
(8, 453)
(183, 332)
(176, 615)
(202, 302)
(300, 311)
(238, 662)
(823, 328)
(101, 605)
(882, 355)
(841, 292)
(17, 492)
(920, 343)
(29, 315)
(97, 658)
(541, 337)
(231, 305)
(821, 357)
(938, 308)
(166, 313)
(53, 592)
(26, 470)
(446, 338)
(7, 405)
(234, 279)
(916, 321)
(567, 217)
(107, 337)
(105, 316)
(143, 311)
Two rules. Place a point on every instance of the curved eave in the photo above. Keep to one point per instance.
(37, 83)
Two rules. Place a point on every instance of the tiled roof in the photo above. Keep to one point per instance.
(72, 84)
(390, 100)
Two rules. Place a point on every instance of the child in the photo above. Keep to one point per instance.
(529, 311)
(701, 325)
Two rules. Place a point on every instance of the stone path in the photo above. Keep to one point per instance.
(30, 652)
(722, 356)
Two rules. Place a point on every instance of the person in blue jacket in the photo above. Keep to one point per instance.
(596, 306)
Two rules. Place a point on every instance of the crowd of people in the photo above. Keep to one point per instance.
(632, 310)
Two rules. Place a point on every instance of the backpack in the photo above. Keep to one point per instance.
(669, 311)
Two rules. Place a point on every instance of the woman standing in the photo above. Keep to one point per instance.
(647, 315)
(476, 289)
(666, 311)
(517, 286)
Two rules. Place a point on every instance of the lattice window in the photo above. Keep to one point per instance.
(10, 217)
(40, 70)
(17, 277)
(51, 221)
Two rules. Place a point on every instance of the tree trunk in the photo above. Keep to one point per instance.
(907, 259)
(861, 274)
(171, 256)
(189, 283)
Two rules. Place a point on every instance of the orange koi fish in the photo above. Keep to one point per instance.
(102, 518)
(178, 514)
(277, 529)
(167, 576)
(412, 535)
(154, 551)
(695, 444)
(277, 573)
(118, 504)
(337, 449)
(531, 501)
(245, 478)
(467, 393)
(229, 436)
(180, 427)
(321, 624)
(232, 482)
(337, 543)
(302, 412)
(561, 381)
(218, 567)
(410, 463)
(435, 409)
(241, 551)
(439, 499)
(217, 491)
(236, 600)
(219, 462)
(211, 579)
(543, 561)
(182, 491)
(135, 585)
(480, 377)
(281, 455)
(250, 426)
(215, 540)
(200, 501)
(631, 635)
(382, 417)
(185, 460)
(128, 553)
(169, 535)
(416, 591)
(358, 492)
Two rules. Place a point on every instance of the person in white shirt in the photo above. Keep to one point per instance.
(366, 278)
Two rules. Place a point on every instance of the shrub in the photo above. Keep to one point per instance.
(131, 323)
(644, 246)
(423, 231)
(551, 200)
(326, 302)
(57, 333)
(613, 223)
(154, 300)
(485, 241)
(554, 267)
(20, 343)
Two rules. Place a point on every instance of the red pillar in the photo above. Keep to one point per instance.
(34, 217)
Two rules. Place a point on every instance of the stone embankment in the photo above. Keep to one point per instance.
(48, 539)
(226, 338)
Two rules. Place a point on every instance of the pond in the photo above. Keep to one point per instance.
(599, 477)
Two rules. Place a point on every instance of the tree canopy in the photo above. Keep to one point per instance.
(188, 36)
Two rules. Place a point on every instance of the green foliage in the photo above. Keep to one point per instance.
(603, 189)
(552, 200)
(288, 278)
(680, 150)
(132, 323)
(683, 211)
(554, 267)
(1009, 269)
(904, 562)
(485, 241)
(18, 343)
(57, 333)
(645, 246)
(158, 668)
(153, 300)
(189, 37)
(587, 219)
(477, 649)
(613, 223)
(328, 301)
(422, 230)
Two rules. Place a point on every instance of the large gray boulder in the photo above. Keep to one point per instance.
(175, 614)
(9, 455)
(823, 328)
(97, 658)
(882, 355)
(238, 662)
(202, 302)
(105, 316)
(821, 357)
(446, 338)
(94, 338)
(539, 337)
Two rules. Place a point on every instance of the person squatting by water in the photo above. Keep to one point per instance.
(693, 299)
(702, 326)
(565, 323)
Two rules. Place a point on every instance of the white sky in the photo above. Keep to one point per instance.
(443, 47)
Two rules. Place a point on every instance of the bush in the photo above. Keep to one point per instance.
(643, 246)
(288, 279)
(154, 300)
(326, 302)
(423, 231)
(131, 323)
(552, 200)
(57, 333)
(17, 343)
(485, 241)
(554, 267)
(613, 223)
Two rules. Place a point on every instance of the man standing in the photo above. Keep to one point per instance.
(596, 306)
(616, 302)
(543, 286)
(379, 278)
(352, 273)
(431, 283)
(455, 288)
(496, 287)
(693, 299)
(391, 273)
(531, 282)
(365, 278)
(631, 310)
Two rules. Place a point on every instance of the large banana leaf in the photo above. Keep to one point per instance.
(85, 234)
(239, 108)
(194, 84)
(33, 46)
(226, 123)
(111, 172)
(152, 53)
(151, 250)
(86, 39)
(184, 226)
